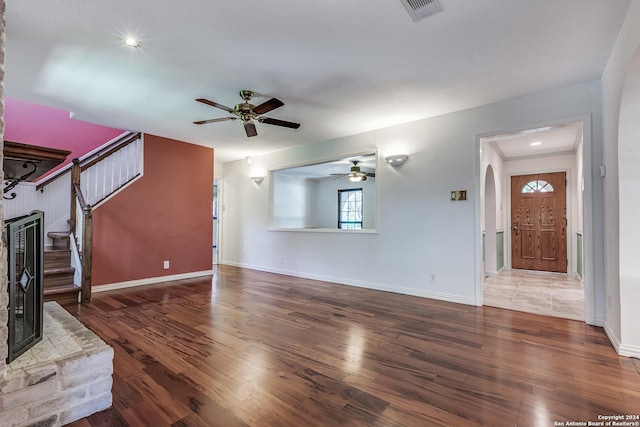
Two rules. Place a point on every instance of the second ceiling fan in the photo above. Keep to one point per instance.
(249, 113)
(355, 174)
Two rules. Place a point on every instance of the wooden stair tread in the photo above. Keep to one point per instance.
(59, 270)
(55, 249)
(61, 289)
(58, 234)
(62, 294)
(61, 239)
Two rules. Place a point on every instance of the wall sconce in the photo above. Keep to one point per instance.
(397, 160)
(257, 179)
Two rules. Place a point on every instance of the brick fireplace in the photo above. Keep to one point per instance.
(65, 376)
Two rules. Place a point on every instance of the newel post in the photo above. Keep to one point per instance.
(75, 183)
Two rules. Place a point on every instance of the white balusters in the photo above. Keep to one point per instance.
(109, 174)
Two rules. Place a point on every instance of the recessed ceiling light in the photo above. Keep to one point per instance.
(131, 42)
(533, 144)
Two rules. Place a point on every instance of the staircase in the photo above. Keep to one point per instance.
(94, 178)
(58, 272)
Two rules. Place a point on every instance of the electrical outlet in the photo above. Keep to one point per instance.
(432, 277)
(165, 265)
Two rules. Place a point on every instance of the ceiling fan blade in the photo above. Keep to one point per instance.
(250, 129)
(265, 107)
(223, 119)
(277, 122)
(371, 174)
(215, 104)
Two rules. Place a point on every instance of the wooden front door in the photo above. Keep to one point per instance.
(539, 222)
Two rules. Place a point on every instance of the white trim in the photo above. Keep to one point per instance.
(629, 351)
(360, 284)
(612, 338)
(621, 349)
(149, 281)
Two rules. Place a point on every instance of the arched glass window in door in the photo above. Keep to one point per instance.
(537, 185)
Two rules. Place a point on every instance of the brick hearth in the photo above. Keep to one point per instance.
(65, 377)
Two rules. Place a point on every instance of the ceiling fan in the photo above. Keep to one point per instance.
(249, 113)
(355, 175)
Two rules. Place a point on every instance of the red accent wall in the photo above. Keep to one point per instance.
(35, 124)
(165, 215)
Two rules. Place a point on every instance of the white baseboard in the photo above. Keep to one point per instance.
(629, 351)
(612, 338)
(621, 349)
(360, 284)
(149, 281)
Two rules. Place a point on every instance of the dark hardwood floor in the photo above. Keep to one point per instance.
(260, 349)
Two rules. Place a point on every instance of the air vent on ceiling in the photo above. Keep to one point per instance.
(420, 9)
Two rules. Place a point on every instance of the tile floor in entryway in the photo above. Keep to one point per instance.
(548, 294)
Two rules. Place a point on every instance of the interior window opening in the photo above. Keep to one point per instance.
(350, 209)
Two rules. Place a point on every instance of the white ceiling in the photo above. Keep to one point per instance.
(340, 67)
(554, 140)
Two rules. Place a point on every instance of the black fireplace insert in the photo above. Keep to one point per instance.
(25, 257)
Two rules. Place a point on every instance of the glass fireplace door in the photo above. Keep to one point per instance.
(25, 253)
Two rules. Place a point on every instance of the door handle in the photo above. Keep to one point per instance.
(515, 226)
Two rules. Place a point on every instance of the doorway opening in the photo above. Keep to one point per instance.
(532, 195)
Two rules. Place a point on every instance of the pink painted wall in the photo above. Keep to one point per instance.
(35, 124)
(165, 215)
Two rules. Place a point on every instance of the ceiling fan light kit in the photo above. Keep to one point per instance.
(249, 113)
(355, 174)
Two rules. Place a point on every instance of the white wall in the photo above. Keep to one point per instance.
(621, 202)
(419, 230)
(54, 200)
(294, 201)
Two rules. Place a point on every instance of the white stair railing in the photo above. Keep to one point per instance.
(93, 181)
(103, 176)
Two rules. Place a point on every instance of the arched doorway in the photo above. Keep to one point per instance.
(490, 257)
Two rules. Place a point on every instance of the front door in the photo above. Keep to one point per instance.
(539, 222)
